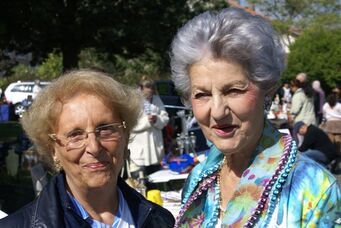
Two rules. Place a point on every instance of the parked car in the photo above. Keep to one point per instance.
(18, 91)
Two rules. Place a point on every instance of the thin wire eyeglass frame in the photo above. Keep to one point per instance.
(79, 143)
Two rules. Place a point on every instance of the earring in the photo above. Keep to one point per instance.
(267, 103)
(57, 165)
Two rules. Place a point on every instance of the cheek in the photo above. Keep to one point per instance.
(201, 112)
(117, 153)
(251, 105)
(66, 158)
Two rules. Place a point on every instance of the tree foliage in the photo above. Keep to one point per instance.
(317, 52)
(50, 69)
(296, 14)
(124, 28)
(126, 70)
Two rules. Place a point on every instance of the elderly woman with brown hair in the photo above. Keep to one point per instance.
(80, 125)
(227, 66)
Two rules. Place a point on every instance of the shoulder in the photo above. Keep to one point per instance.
(310, 177)
(311, 195)
(20, 218)
(307, 168)
(300, 93)
(160, 217)
(140, 208)
(192, 179)
(157, 100)
(44, 211)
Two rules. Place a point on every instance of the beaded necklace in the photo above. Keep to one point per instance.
(270, 193)
(273, 187)
(218, 184)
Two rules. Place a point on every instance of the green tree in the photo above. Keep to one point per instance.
(317, 52)
(125, 28)
(51, 67)
(292, 16)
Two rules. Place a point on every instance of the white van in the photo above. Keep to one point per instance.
(18, 91)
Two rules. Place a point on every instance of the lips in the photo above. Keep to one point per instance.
(96, 165)
(225, 130)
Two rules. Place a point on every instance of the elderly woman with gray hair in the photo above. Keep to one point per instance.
(81, 125)
(227, 66)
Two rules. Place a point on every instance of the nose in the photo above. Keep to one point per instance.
(92, 145)
(219, 107)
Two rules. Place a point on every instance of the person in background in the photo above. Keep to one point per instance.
(316, 143)
(7, 110)
(337, 91)
(317, 88)
(303, 79)
(286, 92)
(286, 99)
(80, 124)
(146, 141)
(332, 117)
(302, 104)
(36, 88)
(227, 66)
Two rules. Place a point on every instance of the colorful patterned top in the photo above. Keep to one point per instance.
(280, 188)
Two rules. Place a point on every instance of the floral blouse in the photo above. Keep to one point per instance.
(280, 188)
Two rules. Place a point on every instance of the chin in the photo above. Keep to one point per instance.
(228, 150)
(99, 183)
(100, 180)
(227, 146)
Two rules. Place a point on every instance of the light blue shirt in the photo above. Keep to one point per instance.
(123, 218)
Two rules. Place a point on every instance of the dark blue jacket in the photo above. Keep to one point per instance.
(53, 208)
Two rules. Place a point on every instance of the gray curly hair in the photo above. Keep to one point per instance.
(230, 34)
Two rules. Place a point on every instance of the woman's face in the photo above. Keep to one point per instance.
(98, 162)
(227, 106)
(293, 88)
(148, 91)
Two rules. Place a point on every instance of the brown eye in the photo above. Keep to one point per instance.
(77, 134)
(108, 131)
(200, 95)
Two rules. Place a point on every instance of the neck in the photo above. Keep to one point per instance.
(236, 164)
(100, 203)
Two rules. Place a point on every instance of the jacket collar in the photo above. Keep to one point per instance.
(55, 196)
(139, 207)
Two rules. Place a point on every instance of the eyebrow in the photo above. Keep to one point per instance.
(245, 85)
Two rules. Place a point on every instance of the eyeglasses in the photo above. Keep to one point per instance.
(77, 138)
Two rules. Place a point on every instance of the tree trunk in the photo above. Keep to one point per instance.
(70, 56)
(70, 43)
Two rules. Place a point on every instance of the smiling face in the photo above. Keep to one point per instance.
(227, 105)
(98, 163)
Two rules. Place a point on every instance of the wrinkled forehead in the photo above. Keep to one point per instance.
(59, 103)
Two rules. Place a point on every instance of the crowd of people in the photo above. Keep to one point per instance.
(306, 104)
(226, 65)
